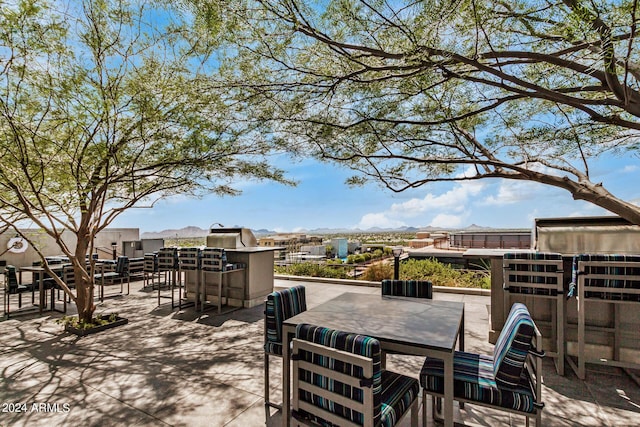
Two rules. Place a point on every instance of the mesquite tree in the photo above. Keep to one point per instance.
(412, 92)
(105, 106)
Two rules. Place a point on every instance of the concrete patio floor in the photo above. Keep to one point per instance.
(189, 369)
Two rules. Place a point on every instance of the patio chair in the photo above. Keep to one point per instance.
(69, 278)
(12, 287)
(614, 280)
(136, 268)
(279, 306)
(509, 380)
(407, 288)
(120, 273)
(150, 269)
(533, 277)
(337, 380)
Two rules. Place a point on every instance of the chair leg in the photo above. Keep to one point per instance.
(424, 408)
(266, 380)
(436, 408)
(414, 413)
(5, 304)
(267, 401)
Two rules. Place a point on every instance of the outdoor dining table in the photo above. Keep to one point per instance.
(41, 273)
(411, 326)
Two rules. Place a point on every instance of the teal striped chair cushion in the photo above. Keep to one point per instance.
(398, 392)
(474, 380)
(280, 306)
(407, 288)
(392, 393)
(512, 347)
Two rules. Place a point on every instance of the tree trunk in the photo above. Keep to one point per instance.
(84, 280)
(596, 194)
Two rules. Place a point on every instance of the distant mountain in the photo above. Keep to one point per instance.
(190, 231)
(474, 227)
(263, 232)
(193, 231)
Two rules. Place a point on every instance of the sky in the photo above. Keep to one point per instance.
(322, 200)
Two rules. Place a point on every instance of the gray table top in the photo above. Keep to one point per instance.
(407, 321)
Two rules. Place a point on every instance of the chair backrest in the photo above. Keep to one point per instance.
(189, 258)
(167, 259)
(68, 275)
(12, 279)
(280, 306)
(407, 288)
(606, 276)
(336, 377)
(540, 273)
(214, 259)
(122, 265)
(150, 263)
(512, 346)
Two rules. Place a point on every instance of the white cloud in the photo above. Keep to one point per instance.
(449, 208)
(449, 221)
(630, 169)
(510, 192)
(381, 219)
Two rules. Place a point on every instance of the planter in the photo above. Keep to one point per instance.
(81, 332)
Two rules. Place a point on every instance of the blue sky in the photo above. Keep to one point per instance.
(321, 200)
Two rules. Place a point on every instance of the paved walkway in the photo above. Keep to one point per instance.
(184, 369)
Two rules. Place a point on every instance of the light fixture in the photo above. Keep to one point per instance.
(397, 251)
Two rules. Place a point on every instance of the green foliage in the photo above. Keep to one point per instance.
(408, 93)
(185, 242)
(98, 320)
(356, 259)
(105, 108)
(312, 270)
(443, 274)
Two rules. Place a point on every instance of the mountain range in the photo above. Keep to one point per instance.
(193, 231)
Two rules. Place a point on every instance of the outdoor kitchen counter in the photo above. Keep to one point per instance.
(250, 287)
(258, 275)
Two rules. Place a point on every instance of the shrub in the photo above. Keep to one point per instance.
(310, 269)
(443, 274)
(358, 258)
(378, 272)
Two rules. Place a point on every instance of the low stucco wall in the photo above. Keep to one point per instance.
(467, 291)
